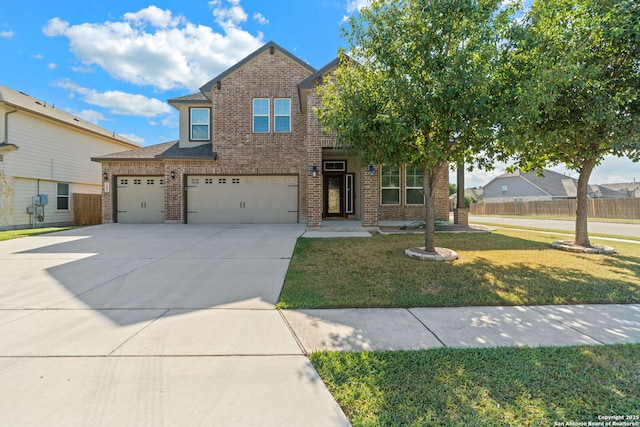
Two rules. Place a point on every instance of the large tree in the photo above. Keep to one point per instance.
(415, 87)
(572, 82)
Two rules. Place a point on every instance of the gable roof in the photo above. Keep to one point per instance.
(165, 150)
(553, 183)
(22, 101)
(208, 87)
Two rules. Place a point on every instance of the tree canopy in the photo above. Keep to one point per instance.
(415, 87)
(571, 88)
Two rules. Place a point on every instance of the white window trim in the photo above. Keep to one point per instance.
(407, 188)
(64, 196)
(275, 115)
(191, 110)
(399, 188)
(254, 115)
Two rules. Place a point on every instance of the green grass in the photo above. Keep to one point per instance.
(592, 236)
(15, 234)
(507, 267)
(484, 387)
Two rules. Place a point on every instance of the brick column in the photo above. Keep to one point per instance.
(369, 197)
(173, 195)
(461, 216)
(442, 194)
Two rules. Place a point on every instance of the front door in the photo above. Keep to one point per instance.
(334, 194)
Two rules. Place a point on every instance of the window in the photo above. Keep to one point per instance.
(200, 120)
(390, 184)
(335, 166)
(62, 196)
(282, 114)
(413, 186)
(261, 115)
(504, 189)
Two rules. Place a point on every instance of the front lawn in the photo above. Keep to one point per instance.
(485, 387)
(506, 267)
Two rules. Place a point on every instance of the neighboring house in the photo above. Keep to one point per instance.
(616, 190)
(45, 157)
(528, 186)
(251, 149)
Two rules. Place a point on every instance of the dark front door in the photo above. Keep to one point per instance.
(334, 195)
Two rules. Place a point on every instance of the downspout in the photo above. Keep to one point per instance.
(6, 125)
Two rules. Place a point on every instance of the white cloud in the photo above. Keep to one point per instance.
(37, 56)
(92, 116)
(356, 5)
(153, 47)
(260, 18)
(118, 102)
(7, 34)
(52, 66)
(133, 137)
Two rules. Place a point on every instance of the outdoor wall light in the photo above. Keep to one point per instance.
(173, 174)
(314, 171)
(372, 170)
(105, 175)
(218, 85)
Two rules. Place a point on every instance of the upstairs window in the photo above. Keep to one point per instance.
(413, 186)
(390, 185)
(282, 115)
(261, 115)
(200, 124)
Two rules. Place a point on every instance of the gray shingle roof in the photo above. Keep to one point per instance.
(554, 183)
(166, 150)
(194, 97)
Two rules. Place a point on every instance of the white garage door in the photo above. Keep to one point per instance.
(140, 199)
(242, 199)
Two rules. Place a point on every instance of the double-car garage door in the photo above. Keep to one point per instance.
(260, 199)
(212, 199)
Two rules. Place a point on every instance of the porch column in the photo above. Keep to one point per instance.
(174, 196)
(369, 197)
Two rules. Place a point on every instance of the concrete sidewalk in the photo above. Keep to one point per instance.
(463, 327)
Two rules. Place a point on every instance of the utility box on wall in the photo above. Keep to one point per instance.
(40, 199)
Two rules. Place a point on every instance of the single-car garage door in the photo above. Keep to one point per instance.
(140, 199)
(259, 199)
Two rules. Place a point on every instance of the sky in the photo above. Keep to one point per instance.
(115, 63)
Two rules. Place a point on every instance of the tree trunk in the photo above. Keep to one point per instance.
(429, 185)
(582, 235)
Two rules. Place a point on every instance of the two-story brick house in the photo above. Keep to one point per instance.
(251, 149)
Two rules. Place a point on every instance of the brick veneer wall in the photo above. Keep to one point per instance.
(124, 168)
(240, 151)
(404, 212)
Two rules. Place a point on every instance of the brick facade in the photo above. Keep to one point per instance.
(269, 73)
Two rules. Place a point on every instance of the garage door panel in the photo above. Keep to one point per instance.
(140, 199)
(242, 199)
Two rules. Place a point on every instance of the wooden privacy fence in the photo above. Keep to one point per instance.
(87, 209)
(598, 208)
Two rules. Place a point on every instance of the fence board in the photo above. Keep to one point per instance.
(87, 209)
(598, 208)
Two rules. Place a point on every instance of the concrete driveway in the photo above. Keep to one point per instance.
(153, 325)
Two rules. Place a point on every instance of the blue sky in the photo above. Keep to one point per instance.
(115, 63)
